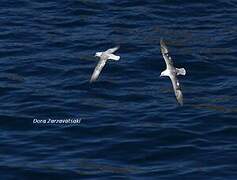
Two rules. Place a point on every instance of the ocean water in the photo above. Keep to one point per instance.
(129, 125)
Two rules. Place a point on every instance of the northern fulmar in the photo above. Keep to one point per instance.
(172, 72)
(104, 56)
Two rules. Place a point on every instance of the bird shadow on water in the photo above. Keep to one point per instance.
(11, 81)
(81, 167)
(88, 168)
(12, 76)
(88, 58)
(216, 108)
(213, 104)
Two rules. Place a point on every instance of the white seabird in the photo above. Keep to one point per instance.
(104, 56)
(172, 72)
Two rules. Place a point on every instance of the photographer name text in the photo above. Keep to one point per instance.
(57, 121)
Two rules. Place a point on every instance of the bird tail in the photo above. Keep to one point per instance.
(114, 57)
(180, 71)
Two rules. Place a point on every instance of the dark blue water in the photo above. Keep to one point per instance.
(130, 124)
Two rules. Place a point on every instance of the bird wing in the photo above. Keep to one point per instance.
(177, 89)
(98, 69)
(164, 51)
(112, 50)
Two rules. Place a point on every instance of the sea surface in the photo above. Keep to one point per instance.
(126, 125)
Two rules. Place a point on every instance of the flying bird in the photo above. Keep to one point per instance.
(104, 56)
(172, 72)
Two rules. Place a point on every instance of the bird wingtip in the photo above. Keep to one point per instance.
(161, 40)
(92, 80)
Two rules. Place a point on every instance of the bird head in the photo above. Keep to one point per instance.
(162, 74)
(98, 54)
